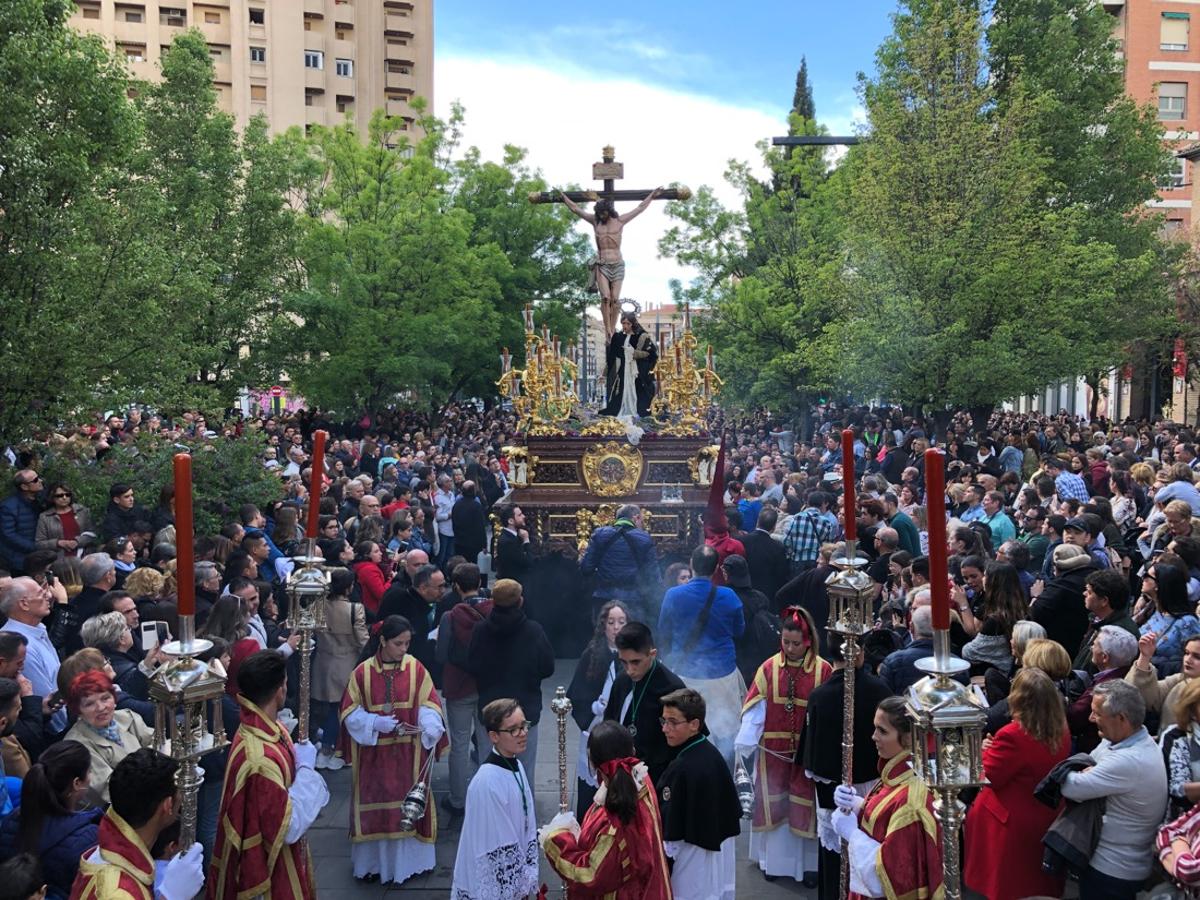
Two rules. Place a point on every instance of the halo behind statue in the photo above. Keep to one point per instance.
(629, 305)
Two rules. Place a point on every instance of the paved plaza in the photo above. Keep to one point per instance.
(331, 845)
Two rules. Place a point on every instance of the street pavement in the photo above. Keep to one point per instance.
(330, 843)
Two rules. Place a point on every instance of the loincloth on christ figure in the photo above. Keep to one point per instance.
(613, 271)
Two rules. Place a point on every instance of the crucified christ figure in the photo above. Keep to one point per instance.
(608, 268)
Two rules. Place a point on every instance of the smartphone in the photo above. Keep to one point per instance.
(150, 635)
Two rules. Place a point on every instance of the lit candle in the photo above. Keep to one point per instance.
(505, 360)
(184, 539)
(935, 513)
(849, 508)
(314, 489)
(709, 357)
(678, 358)
(529, 317)
(687, 317)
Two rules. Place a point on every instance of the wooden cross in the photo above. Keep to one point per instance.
(609, 171)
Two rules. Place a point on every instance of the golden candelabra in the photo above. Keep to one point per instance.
(685, 390)
(543, 393)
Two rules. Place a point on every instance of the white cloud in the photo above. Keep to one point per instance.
(564, 116)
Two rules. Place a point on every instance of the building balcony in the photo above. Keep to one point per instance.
(216, 32)
(314, 78)
(129, 32)
(314, 40)
(315, 6)
(345, 49)
(400, 81)
(1113, 5)
(395, 24)
(316, 115)
(398, 108)
(343, 12)
(222, 71)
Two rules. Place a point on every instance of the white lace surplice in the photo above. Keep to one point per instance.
(497, 851)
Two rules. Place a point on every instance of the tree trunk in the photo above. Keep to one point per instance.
(980, 414)
(941, 424)
(437, 417)
(1093, 382)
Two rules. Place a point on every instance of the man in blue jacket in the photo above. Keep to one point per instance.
(18, 520)
(616, 558)
(697, 633)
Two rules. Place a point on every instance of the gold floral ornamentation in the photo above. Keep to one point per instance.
(521, 465)
(612, 469)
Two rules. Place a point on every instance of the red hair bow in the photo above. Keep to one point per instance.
(376, 628)
(608, 769)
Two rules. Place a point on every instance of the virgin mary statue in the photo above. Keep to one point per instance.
(631, 358)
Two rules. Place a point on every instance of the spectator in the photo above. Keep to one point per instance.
(1173, 620)
(18, 520)
(337, 654)
(109, 734)
(1130, 776)
(99, 573)
(1060, 607)
(1069, 485)
(443, 501)
(65, 526)
(1113, 652)
(110, 634)
(26, 606)
(1006, 822)
(899, 669)
(1163, 695)
(1106, 596)
(909, 538)
(418, 604)
(1003, 606)
(808, 589)
(807, 531)
(123, 513)
(514, 556)
(459, 689)
(765, 556)
(615, 558)
(368, 557)
(22, 878)
(49, 821)
(470, 523)
(1178, 741)
(509, 656)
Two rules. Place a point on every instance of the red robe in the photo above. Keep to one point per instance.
(610, 860)
(251, 856)
(127, 871)
(385, 773)
(783, 792)
(899, 815)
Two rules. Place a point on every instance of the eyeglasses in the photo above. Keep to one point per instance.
(516, 730)
(674, 723)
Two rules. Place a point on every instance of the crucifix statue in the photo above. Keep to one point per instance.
(608, 266)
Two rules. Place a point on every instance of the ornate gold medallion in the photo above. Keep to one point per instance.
(612, 469)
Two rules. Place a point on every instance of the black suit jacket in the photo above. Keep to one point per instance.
(470, 527)
(767, 561)
(513, 556)
(650, 744)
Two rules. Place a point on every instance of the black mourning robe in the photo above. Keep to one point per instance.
(616, 374)
(650, 744)
(821, 750)
(697, 797)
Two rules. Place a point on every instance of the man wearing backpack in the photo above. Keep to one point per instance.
(618, 558)
(459, 690)
(698, 629)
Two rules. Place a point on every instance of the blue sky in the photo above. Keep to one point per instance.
(679, 88)
(745, 53)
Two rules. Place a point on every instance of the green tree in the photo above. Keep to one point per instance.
(970, 287)
(227, 236)
(398, 304)
(66, 132)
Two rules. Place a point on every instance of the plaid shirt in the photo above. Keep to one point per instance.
(1071, 486)
(806, 533)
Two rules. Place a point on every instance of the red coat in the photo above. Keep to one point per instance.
(1005, 826)
(372, 582)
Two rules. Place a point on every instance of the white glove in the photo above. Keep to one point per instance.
(385, 724)
(306, 755)
(287, 719)
(845, 824)
(598, 708)
(564, 821)
(184, 877)
(847, 798)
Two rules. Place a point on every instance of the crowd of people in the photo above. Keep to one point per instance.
(1075, 577)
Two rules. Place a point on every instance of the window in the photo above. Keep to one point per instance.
(315, 59)
(1172, 227)
(345, 68)
(134, 53)
(212, 18)
(172, 18)
(132, 16)
(1177, 177)
(1172, 100)
(258, 16)
(90, 12)
(258, 93)
(1173, 34)
(258, 54)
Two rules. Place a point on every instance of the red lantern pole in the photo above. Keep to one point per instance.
(184, 536)
(850, 508)
(314, 490)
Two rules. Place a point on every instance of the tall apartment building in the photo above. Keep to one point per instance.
(1162, 67)
(301, 62)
